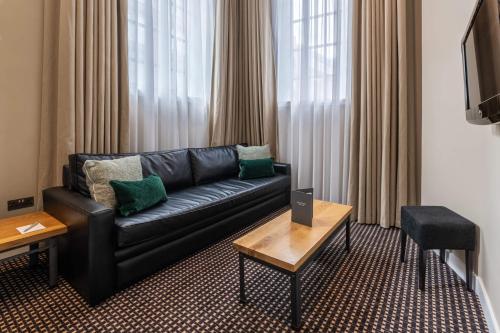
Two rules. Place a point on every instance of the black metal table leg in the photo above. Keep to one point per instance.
(348, 234)
(243, 298)
(52, 262)
(295, 297)
(33, 257)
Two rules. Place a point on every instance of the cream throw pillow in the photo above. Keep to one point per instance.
(253, 152)
(99, 173)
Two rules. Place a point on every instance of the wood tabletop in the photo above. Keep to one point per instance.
(288, 245)
(10, 238)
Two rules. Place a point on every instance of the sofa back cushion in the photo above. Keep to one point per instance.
(214, 163)
(173, 167)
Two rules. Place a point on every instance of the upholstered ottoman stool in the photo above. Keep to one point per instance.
(437, 227)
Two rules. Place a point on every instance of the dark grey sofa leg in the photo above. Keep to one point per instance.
(442, 255)
(468, 267)
(403, 245)
(421, 269)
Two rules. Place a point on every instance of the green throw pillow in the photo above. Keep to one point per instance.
(135, 196)
(256, 168)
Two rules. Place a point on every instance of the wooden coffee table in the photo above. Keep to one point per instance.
(11, 238)
(290, 247)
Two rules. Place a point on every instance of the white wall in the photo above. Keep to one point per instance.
(460, 162)
(21, 27)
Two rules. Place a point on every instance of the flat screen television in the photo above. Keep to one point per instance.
(481, 62)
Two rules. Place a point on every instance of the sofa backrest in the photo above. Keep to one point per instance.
(214, 163)
(173, 167)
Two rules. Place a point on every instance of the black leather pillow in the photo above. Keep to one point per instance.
(173, 167)
(212, 164)
(77, 177)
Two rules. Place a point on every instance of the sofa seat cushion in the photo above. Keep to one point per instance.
(189, 206)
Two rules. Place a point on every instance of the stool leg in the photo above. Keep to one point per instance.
(442, 256)
(421, 269)
(403, 245)
(468, 268)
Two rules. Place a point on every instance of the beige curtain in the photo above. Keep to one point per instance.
(85, 82)
(243, 101)
(385, 119)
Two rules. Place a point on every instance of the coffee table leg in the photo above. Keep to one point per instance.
(52, 262)
(33, 257)
(243, 299)
(295, 295)
(348, 234)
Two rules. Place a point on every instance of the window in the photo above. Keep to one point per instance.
(317, 30)
(312, 45)
(170, 58)
(150, 22)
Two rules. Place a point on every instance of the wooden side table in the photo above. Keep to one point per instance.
(11, 238)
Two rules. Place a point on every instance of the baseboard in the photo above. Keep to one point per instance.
(457, 265)
(487, 308)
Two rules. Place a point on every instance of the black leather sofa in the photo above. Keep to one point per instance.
(104, 252)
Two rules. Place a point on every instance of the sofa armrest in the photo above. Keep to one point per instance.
(283, 168)
(86, 252)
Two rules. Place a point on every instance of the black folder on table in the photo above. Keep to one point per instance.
(302, 206)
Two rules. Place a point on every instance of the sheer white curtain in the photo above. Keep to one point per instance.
(170, 65)
(313, 61)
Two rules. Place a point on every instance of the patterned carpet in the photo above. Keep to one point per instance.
(367, 290)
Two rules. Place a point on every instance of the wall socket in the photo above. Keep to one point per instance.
(20, 203)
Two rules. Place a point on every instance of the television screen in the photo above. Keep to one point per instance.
(481, 53)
